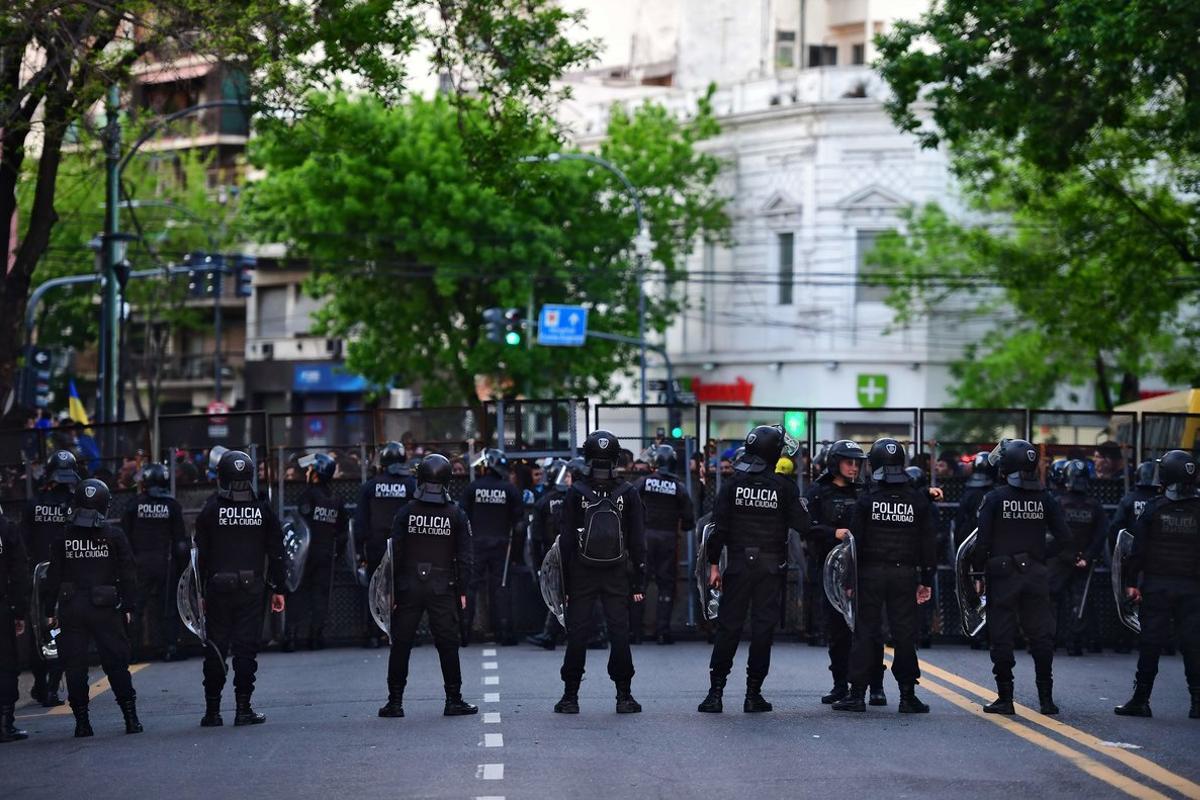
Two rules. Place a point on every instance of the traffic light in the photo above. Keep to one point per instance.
(513, 323)
(493, 323)
(504, 325)
(796, 424)
(200, 277)
(243, 267)
(675, 418)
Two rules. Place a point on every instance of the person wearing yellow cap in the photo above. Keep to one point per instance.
(785, 466)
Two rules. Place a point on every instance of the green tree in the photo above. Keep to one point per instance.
(58, 59)
(1076, 122)
(411, 239)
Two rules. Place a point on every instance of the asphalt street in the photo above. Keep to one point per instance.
(323, 739)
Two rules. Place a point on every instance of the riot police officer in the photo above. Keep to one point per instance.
(831, 502)
(1146, 488)
(44, 522)
(1011, 551)
(547, 513)
(154, 526)
(495, 507)
(754, 511)
(983, 478)
(14, 597)
(1163, 576)
(897, 555)
(93, 577)
(669, 510)
(603, 545)
(378, 501)
(236, 534)
(431, 558)
(328, 526)
(1088, 523)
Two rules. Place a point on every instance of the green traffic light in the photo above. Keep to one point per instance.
(512, 338)
(677, 432)
(796, 424)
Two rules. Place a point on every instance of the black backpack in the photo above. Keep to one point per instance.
(602, 538)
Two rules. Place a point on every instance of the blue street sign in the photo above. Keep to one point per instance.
(562, 326)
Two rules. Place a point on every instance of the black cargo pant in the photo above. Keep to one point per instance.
(585, 586)
(1019, 595)
(894, 586)
(751, 584)
(662, 567)
(487, 571)
(47, 674)
(1165, 599)
(8, 656)
(310, 602)
(235, 621)
(416, 596)
(81, 623)
(157, 619)
(1067, 584)
(841, 639)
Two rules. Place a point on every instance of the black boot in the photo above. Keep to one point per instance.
(909, 703)
(83, 725)
(394, 708)
(625, 702)
(878, 697)
(51, 699)
(853, 701)
(244, 714)
(8, 730)
(212, 712)
(1046, 697)
(712, 701)
(288, 645)
(129, 711)
(838, 691)
(1194, 713)
(1003, 704)
(1139, 704)
(569, 704)
(755, 703)
(455, 705)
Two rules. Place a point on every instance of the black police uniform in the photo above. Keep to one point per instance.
(431, 552)
(379, 500)
(966, 518)
(154, 526)
(328, 526)
(494, 507)
(1011, 550)
(613, 586)
(1088, 523)
(669, 509)
(14, 599)
(897, 551)
(1166, 554)
(44, 522)
(1124, 518)
(93, 577)
(234, 539)
(753, 514)
(831, 507)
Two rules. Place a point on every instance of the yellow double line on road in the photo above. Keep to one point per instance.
(99, 687)
(1021, 726)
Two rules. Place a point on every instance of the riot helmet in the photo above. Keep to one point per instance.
(1058, 473)
(1078, 477)
(89, 505)
(845, 451)
(63, 468)
(391, 459)
(321, 467)
(1146, 476)
(764, 446)
(215, 454)
(433, 473)
(558, 474)
(600, 452)
(576, 468)
(1017, 460)
(155, 480)
(888, 459)
(983, 472)
(1177, 472)
(494, 460)
(663, 459)
(916, 477)
(234, 476)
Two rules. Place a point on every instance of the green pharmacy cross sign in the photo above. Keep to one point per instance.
(872, 391)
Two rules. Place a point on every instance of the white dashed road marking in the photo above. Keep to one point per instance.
(491, 680)
(491, 717)
(490, 772)
(491, 697)
(493, 740)
(491, 665)
(489, 653)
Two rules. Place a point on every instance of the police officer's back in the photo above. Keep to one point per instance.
(495, 507)
(14, 604)
(982, 480)
(154, 525)
(379, 500)
(669, 510)
(328, 525)
(1088, 523)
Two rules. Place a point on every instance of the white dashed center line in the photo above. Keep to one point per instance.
(491, 680)
(490, 772)
(489, 652)
(491, 718)
(491, 697)
(493, 740)
(491, 665)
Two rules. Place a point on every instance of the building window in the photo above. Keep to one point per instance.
(787, 270)
(272, 310)
(785, 49)
(865, 292)
(858, 54)
(822, 55)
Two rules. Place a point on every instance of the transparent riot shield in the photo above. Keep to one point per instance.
(188, 598)
(351, 555)
(1126, 608)
(841, 579)
(710, 598)
(380, 595)
(972, 606)
(550, 579)
(47, 638)
(296, 540)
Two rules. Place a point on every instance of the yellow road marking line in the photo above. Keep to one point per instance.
(1135, 762)
(1089, 765)
(96, 689)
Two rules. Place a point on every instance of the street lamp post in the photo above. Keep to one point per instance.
(642, 247)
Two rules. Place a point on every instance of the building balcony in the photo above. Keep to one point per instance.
(187, 371)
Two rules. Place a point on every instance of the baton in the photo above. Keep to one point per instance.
(507, 558)
(1086, 586)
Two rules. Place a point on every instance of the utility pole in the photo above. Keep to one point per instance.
(111, 303)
